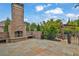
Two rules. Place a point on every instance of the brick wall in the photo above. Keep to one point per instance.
(2, 26)
(4, 35)
(1, 29)
(35, 34)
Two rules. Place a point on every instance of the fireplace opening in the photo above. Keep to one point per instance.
(2, 41)
(18, 33)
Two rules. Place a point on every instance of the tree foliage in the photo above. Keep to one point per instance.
(27, 26)
(33, 27)
(51, 28)
(6, 22)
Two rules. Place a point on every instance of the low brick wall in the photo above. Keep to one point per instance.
(4, 34)
(35, 34)
(17, 39)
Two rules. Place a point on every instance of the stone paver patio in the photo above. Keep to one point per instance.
(34, 47)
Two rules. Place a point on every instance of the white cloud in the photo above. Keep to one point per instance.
(77, 8)
(72, 16)
(54, 16)
(25, 19)
(55, 11)
(50, 16)
(47, 5)
(39, 8)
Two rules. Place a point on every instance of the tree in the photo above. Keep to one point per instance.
(50, 29)
(27, 26)
(38, 27)
(77, 22)
(33, 27)
(71, 27)
(52, 33)
(68, 21)
(6, 22)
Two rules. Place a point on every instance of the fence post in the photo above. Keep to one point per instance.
(69, 38)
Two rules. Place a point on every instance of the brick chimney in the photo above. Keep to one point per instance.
(17, 28)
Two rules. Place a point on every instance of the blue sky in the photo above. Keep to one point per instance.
(38, 12)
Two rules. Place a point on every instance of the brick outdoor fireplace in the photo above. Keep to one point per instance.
(17, 27)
